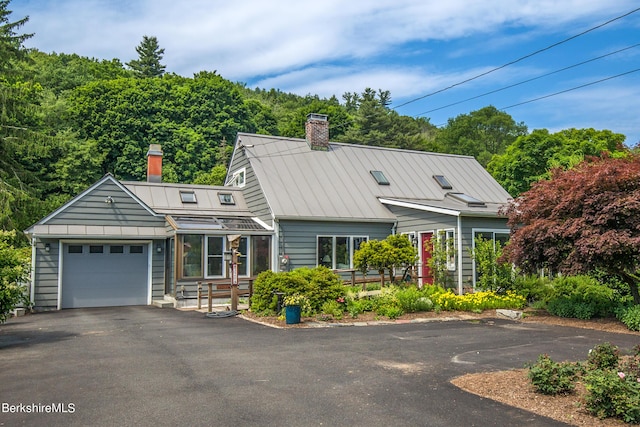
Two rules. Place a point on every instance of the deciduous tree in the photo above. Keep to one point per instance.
(581, 220)
(481, 134)
(531, 157)
(393, 252)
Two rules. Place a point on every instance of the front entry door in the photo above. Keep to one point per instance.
(426, 248)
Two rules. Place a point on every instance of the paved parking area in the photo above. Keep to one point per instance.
(136, 366)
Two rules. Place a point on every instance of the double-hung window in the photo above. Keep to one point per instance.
(448, 244)
(216, 247)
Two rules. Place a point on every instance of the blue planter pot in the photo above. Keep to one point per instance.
(292, 314)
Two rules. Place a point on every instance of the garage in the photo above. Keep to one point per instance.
(102, 274)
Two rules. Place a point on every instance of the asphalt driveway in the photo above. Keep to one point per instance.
(137, 366)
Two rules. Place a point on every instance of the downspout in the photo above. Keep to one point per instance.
(32, 282)
(60, 267)
(275, 245)
(459, 233)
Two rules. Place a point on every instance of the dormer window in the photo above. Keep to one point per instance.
(226, 199)
(239, 178)
(188, 197)
(443, 182)
(379, 177)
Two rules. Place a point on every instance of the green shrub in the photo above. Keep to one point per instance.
(317, 284)
(412, 300)
(373, 287)
(322, 285)
(612, 393)
(581, 297)
(603, 356)
(552, 378)
(533, 288)
(561, 307)
(630, 316)
(387, 303)
(631, 366)
(334, 309)
(612, 383)
(14, 267)
(356, 306)
(390, 311)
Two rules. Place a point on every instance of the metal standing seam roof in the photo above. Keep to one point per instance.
(337, 184)
(164, 198)
(206, 214)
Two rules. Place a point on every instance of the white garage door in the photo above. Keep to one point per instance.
(104, 274)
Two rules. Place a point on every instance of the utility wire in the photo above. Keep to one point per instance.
(529, 80)
(518, 60)
(562, 91)
(287, 152)
(573, 88)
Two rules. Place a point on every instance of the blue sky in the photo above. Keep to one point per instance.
(410, 47)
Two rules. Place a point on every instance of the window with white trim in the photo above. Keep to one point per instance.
(226, 199)
(238, 178)
(215, 249)
(495, 235)
(447, 240)
(336, 252)
(202, 256)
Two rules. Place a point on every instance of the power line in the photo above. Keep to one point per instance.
(529, 80)
(519, 59)
(571, 89)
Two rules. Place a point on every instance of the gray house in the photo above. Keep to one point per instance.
(294, 202)
(323, 199)
(129, 243)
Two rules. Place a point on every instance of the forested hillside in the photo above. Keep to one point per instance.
(66, 120)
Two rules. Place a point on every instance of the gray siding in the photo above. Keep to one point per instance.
(158, 269)
(468, 225)
(298, 239)
(253, 194)
(46, 276)
(416, 221)
(412, 220)
(92, 210)
(47, 270)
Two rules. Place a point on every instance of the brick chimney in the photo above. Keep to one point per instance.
(317, 131)
(154, 163)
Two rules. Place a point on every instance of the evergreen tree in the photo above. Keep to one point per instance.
(149, 57)
(11, 49)
(20, 145)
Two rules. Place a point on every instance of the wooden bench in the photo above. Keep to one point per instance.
(222, 290)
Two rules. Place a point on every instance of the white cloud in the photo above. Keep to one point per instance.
(409, 47)
(254, 37)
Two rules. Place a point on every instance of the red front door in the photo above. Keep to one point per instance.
(426, 248)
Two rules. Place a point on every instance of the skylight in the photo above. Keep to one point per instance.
(226, 199)
(380, 178)
(472, 202)
(188, 197)
(443, 182)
